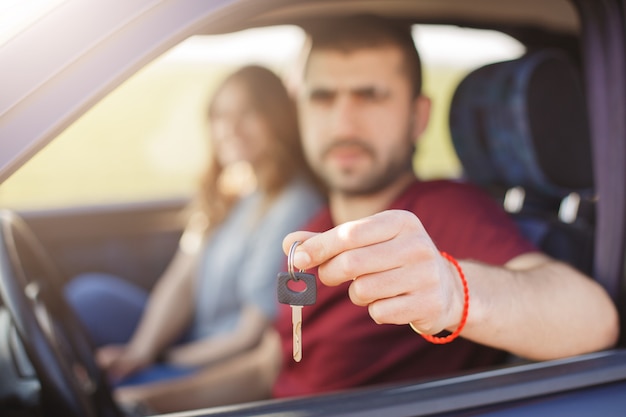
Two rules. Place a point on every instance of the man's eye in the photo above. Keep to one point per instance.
(371, 94)
(321, 96)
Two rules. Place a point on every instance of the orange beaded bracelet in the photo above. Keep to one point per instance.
(447, 339)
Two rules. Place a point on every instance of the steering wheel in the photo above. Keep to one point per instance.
(56, 344)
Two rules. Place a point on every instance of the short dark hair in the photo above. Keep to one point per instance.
(350, 33)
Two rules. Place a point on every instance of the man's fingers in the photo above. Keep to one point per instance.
(405, 309)
(295, 236)
(317, 249)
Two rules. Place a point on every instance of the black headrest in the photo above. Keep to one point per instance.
(523, 123)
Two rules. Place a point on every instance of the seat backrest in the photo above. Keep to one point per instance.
(520, 130)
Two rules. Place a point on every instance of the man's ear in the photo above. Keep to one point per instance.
(421, 115)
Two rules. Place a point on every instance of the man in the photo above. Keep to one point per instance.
(377, 246)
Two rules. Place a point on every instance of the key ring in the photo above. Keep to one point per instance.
(290, 268)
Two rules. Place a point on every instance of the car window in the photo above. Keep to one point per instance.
(146, 140)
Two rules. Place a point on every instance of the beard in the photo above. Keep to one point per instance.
(357, 180)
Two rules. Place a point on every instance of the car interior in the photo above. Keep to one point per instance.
(531, 131)
(521, 132)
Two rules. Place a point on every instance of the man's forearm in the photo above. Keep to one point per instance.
(541, 309)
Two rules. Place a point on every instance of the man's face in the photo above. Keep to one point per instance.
(357, 118)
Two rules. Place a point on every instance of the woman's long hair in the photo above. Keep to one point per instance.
(269, 97)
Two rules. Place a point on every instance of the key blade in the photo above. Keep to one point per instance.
(296, 321)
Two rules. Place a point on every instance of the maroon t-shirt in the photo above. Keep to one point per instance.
(344, 348)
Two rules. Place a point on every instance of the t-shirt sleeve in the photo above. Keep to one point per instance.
(289, 212)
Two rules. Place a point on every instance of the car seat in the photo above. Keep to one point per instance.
(520, 131)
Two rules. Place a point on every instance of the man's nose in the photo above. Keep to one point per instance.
(344, 117)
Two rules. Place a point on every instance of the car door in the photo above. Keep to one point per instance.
(134, 241)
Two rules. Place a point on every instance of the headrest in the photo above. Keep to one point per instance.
(523, 123)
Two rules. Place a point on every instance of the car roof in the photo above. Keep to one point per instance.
(551, 15)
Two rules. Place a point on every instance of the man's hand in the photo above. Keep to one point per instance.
(395, 269)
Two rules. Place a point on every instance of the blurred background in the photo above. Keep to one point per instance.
(146, 140)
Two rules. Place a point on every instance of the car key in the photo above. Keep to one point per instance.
(296, 298)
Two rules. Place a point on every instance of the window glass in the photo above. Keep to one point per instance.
(147, 139)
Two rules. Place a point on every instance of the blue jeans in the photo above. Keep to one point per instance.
(110, 309)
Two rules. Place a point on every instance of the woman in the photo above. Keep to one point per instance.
(217, 297)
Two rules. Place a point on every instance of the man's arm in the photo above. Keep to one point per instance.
(538, 308)
(533, 306)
